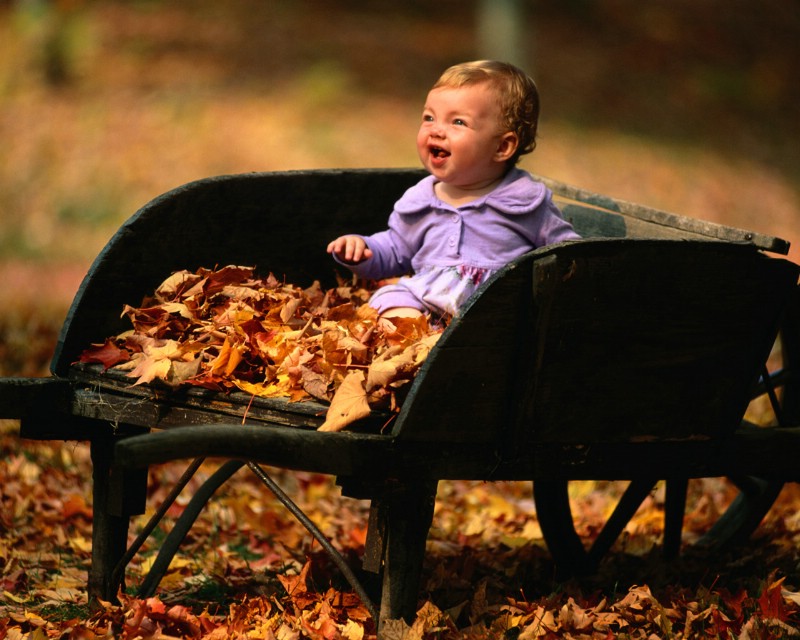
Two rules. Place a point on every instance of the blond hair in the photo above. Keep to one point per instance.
(516, 91)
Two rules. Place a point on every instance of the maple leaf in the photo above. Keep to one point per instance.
(182, 371)
(217, 280)
(175, 284)
(544, 621)
(108, 354)
(349, 403)
(264, 389)
(341, 348)
(296, 587)
(155, 361)
(429, 619)
(229, 357)
(405, 330)
(352, 630)
(573, 617)
(771, 600)
(150, 370)
(397, 365)
(289, 309)
(398, 630)
(385, 369)
(178, 308)
(242, 292)
(314, 383)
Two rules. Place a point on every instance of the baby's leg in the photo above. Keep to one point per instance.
(401, 312)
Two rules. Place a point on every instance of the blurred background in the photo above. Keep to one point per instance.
(684, 105)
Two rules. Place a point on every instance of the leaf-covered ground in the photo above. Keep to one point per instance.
(248, 569)
(698, 115)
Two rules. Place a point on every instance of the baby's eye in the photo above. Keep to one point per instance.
(459, 122)
(426, 117)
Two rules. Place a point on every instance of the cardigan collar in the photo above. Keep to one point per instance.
(518, 193)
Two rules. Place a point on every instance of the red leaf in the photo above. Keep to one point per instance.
(771, 601)
(108, 354)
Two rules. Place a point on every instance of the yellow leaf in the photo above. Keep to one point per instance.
(10, 596)
(272, 390)
(79, 543)
(352, 631)
(349, 403)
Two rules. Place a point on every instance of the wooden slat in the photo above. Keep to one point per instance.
(658, 218)
(109, 396)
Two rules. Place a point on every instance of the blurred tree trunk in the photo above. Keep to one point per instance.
(46, 24)
(501, 31)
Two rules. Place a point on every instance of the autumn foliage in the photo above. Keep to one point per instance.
(248, 570)
(227, 329)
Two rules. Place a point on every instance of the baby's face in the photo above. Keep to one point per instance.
(460, 134)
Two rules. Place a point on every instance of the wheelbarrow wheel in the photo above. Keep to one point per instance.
(573, 555)
(779, 390)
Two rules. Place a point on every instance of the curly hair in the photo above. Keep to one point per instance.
(517, 93)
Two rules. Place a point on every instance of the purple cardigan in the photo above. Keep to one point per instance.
(516, 217)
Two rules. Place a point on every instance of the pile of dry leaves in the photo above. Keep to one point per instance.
(227, 328)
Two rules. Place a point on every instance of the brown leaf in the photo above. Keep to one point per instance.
(297, 587)
(176, 284)
(349, 403)
(217, 280)
(399, 630)
(385, 369)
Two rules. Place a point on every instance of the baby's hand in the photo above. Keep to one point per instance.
(350, 249)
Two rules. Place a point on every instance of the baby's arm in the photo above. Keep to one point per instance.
(350, 249)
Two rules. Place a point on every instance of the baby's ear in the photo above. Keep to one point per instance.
(506, 147)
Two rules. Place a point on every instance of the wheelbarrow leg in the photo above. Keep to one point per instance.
(117, 495)
(404, 516)
(674, 509)
(558, 528)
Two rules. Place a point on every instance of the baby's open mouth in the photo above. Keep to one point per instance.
(438, 152)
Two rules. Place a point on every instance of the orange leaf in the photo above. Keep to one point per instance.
(228, 359)
(296, 585)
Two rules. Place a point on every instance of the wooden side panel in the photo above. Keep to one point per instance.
(464, 391)
(642, 340)
(278, 222)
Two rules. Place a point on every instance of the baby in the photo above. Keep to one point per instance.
(476, 211)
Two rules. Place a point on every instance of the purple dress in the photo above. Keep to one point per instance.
(450, 251)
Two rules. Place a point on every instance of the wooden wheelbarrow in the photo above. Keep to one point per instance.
(632, 355)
